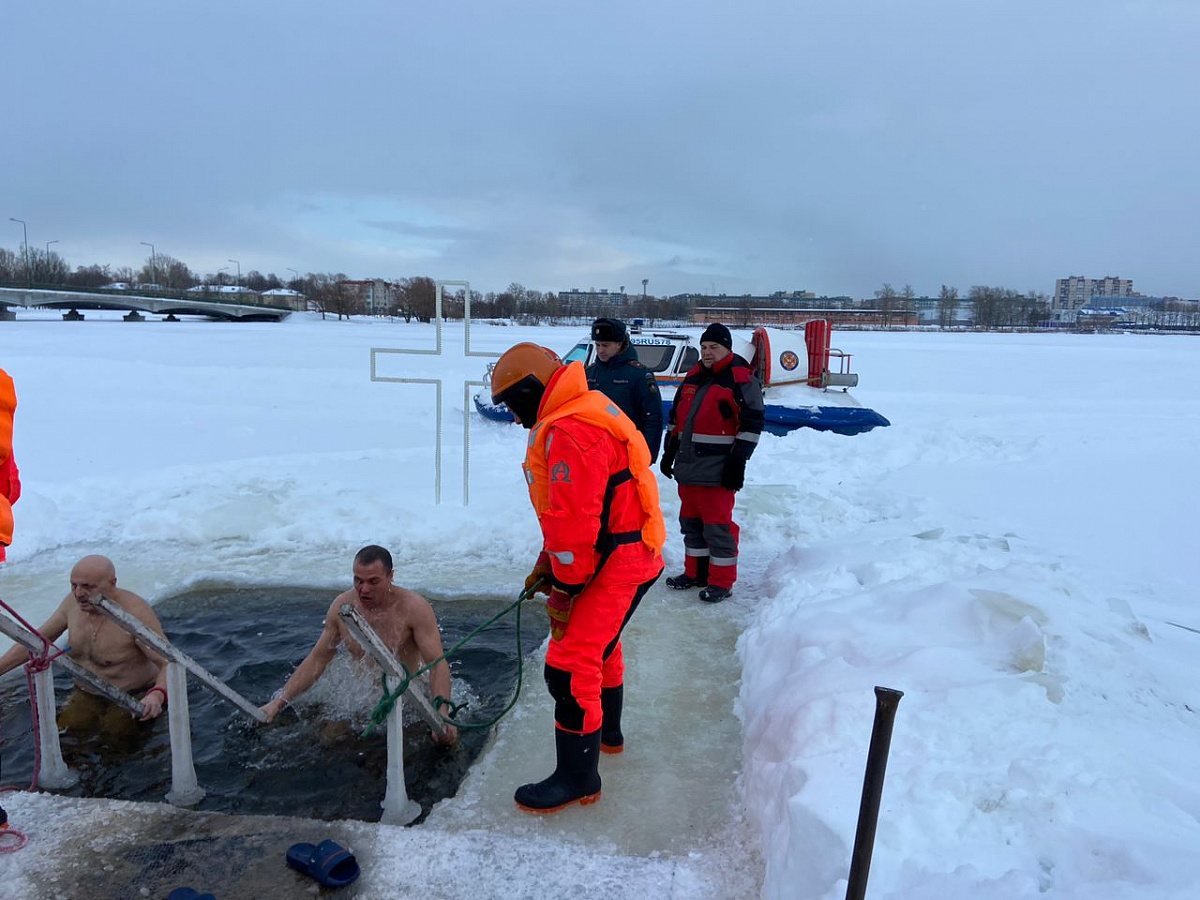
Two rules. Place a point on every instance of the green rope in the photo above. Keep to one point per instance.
(389, 697)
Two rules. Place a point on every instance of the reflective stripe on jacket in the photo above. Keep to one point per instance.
(717, 413)
(578, 452)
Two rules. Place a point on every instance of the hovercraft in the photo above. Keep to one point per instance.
(806, 383)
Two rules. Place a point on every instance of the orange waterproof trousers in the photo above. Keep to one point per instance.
(589, 655)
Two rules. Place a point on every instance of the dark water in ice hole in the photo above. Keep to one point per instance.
(312, 763)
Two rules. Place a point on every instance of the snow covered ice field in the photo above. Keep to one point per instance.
(1017, 553)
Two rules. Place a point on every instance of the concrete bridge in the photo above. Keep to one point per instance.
(183, 304)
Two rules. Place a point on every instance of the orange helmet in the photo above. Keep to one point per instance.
(519, 379)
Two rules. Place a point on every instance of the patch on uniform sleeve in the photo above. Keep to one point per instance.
(560, 471)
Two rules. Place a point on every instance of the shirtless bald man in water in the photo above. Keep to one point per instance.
(101, 645)
(402, 618)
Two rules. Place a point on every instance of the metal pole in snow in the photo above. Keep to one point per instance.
(886, 701)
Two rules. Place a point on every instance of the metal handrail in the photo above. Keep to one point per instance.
(55, 773)
(185, 790)
(373, 644)
(167, 650)
(34, 644)
(398, 809)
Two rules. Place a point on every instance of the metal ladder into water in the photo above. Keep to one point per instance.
(185, 790)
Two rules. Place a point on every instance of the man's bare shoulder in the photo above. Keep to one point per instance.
(347, 596)
(410, 598)
(138, 607)
(128, 599)
(132, 603)
(413, 606)
(64, 615)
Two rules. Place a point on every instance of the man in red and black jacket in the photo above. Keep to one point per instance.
(713, 428)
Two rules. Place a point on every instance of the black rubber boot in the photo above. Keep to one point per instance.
(575, 778)
(611, 700)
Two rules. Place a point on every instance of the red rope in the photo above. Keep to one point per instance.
(19, 839)
(37, 663)
(13, 839)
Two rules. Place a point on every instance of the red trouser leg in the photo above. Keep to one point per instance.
(589, 655)
(695, 560)
(713, 507)
(612, 670)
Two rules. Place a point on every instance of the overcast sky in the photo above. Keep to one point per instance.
(751, 146)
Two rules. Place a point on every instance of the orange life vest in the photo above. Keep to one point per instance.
(8, 406)
(567, 395)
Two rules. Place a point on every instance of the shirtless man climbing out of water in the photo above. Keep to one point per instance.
(402, 618)
(101, 645)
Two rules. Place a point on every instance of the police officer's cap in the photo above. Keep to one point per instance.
(605, 329)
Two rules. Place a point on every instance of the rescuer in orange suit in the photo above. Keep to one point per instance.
(10, 479)
(596, 499)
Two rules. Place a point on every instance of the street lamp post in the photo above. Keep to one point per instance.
(153, 262)
(239, 272)
(295, 301)
(25, 249)
(48, 243)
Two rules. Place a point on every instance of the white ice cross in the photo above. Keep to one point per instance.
(437, 383)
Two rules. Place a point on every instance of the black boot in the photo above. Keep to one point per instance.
(684, 581)
(575, 779)
(611, 700)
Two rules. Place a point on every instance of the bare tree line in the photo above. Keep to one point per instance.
(330, 293)
(415, 297)
(49, 269)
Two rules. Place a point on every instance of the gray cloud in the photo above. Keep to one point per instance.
(831, 145)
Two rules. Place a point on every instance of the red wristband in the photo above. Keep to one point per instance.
(161, 690)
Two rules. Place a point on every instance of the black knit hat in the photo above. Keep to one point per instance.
(608, 330)
(718, 334)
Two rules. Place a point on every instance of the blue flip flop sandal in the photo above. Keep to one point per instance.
(328, 863)
(187, 893)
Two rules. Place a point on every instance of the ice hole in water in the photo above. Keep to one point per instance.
(310, 762)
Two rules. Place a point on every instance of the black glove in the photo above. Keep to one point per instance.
(666, 465)
(733, 476)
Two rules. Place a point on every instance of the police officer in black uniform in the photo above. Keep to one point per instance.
(618, 375)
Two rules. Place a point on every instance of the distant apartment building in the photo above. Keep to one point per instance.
(377, 296)
(763, 300)
(1077, 291)
(577, 302)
